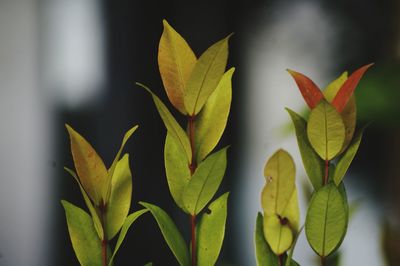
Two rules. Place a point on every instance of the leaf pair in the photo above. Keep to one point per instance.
(280, 203)
(210, 232)
(189, 81)
(313, 95)
(109, 213)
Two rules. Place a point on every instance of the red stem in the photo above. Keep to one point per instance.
(326, 172)
(280, 260)
(192, 167)
(323, 261)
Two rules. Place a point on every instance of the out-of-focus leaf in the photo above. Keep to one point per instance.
(175, 61)
(346, 159)
(205, 182)
(176, 169)
(124, 230)
(90, 167)
(127, 135)
(313, 164)
(170, 232)
(264, 254)
(279, 236)
(205, 76)
(170, 123)
(149, 264)
(311, 93)
(89, 204)
(292, 212)
(120, 199)
(279, 173)
(346, 91)
(327, 219)
(85, 241)
(325, 130)
(211, 232)
(212, 120)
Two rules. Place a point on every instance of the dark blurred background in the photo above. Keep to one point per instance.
(76, 62)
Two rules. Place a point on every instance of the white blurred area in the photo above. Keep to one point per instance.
(297, 35)
(51, 54)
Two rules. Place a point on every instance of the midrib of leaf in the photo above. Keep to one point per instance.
(202, 187)
(326, 133)
(203, 79)
(178, 65)
(277, 186)
(325, 220)
(280, 236)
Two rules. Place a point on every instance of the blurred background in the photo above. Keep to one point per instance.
(76, 61)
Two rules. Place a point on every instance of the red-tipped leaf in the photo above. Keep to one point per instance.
(311, 93)
(347, 89)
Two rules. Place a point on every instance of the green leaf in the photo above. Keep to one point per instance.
(127, 224)
(127, 135)
(205, 76)
(327, 219)
(211, 232)
(85, 241)
(289, 261)
(346, 159)
(326, 130)
(212, 120)
(176, 169)
(149, 264)
(89, 204)
(90, 167)
(264, 254)
(120, 198)
(279, 172)
(170, 232)
(314, 166)
(349, 112)
(279, 236)
(205, 182)
(176, 61)
(170, 123)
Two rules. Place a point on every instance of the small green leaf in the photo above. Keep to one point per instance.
(346, 159)
(85, 241)
(264, 254)
(127, 224)
(127, 135)
(176, 61)
(120, 198)
(327, 219)
(313, 164)
(205, 182)
(326, 130)
(170, 232)
(279, 173)
(349, 112)
(171, 124)
(89, 204)
(176, 169)
(212, 119)
(279, 236)
(211, 232)
(205, 76)
(90, 167)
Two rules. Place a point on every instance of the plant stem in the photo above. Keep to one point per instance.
(192, 167)
(280, 260)
(103, 210)
(323, 261)
(326, 172)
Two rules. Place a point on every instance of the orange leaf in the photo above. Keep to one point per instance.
(347, 89)
(311, 93)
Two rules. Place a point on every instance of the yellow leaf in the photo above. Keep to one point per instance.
(349, 112)
(205, 76)
(326, 130)
(279, 173)
(212, 120)
(279, 236)
(176, 61)
(90, 168)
